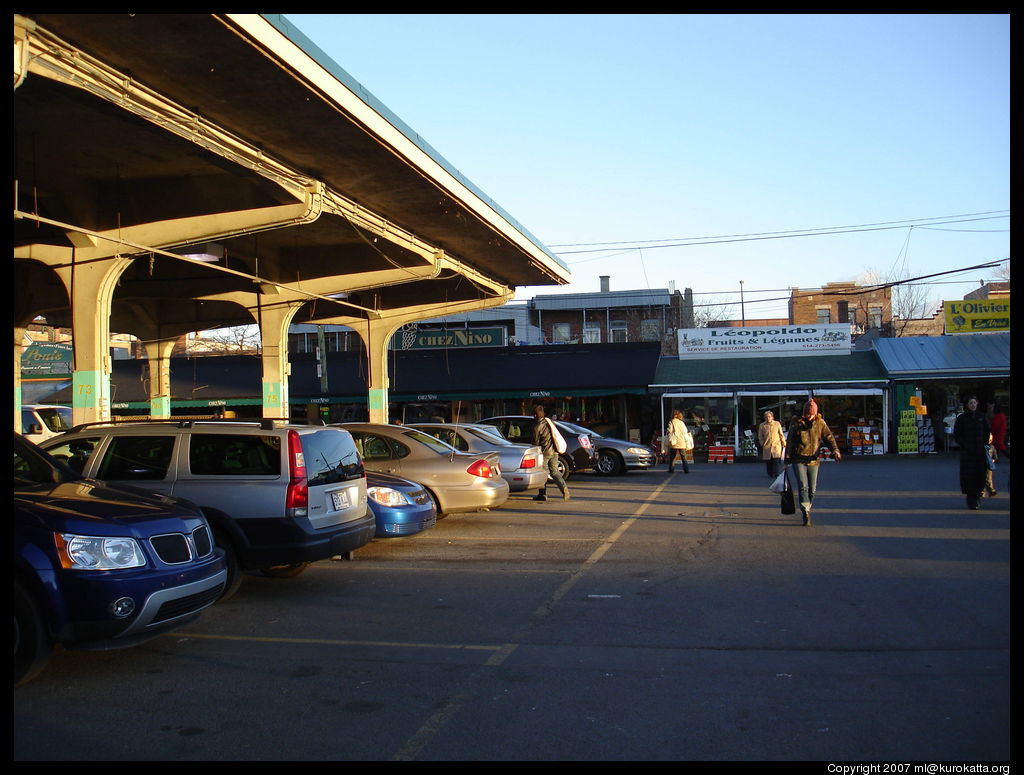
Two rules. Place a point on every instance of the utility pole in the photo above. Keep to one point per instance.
(743, 314)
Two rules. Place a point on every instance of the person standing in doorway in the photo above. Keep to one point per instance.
(998, 427)
(679, 440)
(543, 437)
(772, 440)
(971, 432)
(806, 436)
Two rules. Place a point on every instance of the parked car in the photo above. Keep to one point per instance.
(615, 456)
(522, 465)
(40, 422)
(400, 507)
(457, 481)
(580, 454)
(98, 566)
(277, 496)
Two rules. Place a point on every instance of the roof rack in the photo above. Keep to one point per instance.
(265, 423)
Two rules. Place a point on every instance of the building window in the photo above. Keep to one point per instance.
(560, 332)
(650, 330)
(619, 331)
(592, 333)
(824, 314)
(875, 317)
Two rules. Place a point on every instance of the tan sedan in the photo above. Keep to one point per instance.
(457, 481)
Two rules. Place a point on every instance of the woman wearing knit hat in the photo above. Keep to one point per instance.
(807, 434)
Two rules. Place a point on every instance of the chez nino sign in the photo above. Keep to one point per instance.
(764, 341)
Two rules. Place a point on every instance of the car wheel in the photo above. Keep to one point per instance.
(234, 579)
(32, 645)
(609, 463)
(285, 571)
(564, 469)
(437, 504)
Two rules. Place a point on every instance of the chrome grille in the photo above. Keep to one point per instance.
(171, 548)
(202, 541)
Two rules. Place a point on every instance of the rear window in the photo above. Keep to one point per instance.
(330, 456)
(227, 454)
(438, 446)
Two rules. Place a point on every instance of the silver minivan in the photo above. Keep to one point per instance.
(277, 496)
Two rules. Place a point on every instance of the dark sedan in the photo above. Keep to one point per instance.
(580, 453)
(616, 456)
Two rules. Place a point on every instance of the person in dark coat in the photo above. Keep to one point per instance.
(971, 432)
(543, 438)
(806, 436)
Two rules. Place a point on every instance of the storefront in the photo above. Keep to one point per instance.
(931, 377)
(723, 398)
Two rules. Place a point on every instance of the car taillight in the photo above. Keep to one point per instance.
(296, 500)
(528, 462)
(483, 469)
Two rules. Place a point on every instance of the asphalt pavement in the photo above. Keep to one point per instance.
(651, 617)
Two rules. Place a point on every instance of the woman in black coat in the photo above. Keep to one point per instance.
(971, 431)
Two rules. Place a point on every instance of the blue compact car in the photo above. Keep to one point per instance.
(99, 567)
(400, 506)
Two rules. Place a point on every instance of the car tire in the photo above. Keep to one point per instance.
(564, 467)
(234, 579)
(285, 571)
(609, 463)
(32, 644)
(437, 504)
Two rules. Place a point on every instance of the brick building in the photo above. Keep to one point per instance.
(843, 302)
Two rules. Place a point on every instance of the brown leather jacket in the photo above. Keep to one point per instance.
(806, 437)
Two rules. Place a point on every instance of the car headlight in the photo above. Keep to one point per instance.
(98, 553)
(386, 496)
(639, 451)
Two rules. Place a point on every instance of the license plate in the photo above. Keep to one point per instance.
(340, 499)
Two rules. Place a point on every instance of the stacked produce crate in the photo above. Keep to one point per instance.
(907, 433)
(864, 440)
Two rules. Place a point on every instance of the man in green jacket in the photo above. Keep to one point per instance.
(807, 434)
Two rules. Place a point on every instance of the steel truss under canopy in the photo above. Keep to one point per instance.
(143, 140)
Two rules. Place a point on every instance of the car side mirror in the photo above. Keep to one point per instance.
(35, 429)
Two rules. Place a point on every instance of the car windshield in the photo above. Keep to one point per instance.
(436, 445)
(57, 418)
(33, 466)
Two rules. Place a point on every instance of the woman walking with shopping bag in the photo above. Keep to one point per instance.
(679, 441)
(772, 439)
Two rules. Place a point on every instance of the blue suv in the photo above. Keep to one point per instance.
(99, 567)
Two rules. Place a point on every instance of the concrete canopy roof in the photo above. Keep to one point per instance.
(180, 126)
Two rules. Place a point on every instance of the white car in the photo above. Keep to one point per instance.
(522, 465)
(40, 422)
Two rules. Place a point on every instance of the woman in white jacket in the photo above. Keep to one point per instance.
(679, 440)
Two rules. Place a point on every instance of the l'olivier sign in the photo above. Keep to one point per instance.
(762, 341)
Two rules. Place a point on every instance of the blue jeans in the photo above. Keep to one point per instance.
(551, 461)
(807, 478)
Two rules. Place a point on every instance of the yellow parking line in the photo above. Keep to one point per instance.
(599, 552)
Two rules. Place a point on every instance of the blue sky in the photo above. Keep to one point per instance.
(648, 130)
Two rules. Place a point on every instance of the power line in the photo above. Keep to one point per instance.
(756, 236)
